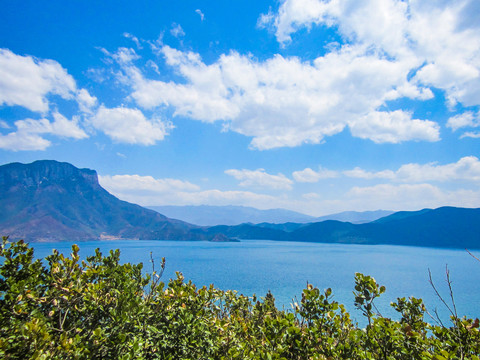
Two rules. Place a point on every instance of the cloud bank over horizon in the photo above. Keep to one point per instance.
(407, 188)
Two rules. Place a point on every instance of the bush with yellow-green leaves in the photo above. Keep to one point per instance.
(65, 308)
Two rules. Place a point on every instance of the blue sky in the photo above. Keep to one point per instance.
(309, 105)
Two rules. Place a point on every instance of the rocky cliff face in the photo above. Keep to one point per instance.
(45, 173)
(51, 201)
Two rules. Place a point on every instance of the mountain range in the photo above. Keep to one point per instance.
(443, 227)
(52, 201)
(206, 215)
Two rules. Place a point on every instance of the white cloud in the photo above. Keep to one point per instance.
(27, 81)
(129, 126)
(311, 196)
(219, 197)
(134, 39)
(260, 178)
(311, 176)
(151, 64)
(393, 49)
(394, 127)
(177, 31)
(451, 51)
(439, 39)
(201, 14)
(284, 101)
(385, 25)
(29, 131)
(123, 56)
(363, 174)
(61, 126)
(292, 15)
(466, 169)
(145, 184)
(148, 191)
(411, 91)
(21, 141)
(470, 134)
(86, 102)
(467, 119)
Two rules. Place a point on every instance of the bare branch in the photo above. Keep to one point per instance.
(449, 282)
(476, 258)
(430, 280)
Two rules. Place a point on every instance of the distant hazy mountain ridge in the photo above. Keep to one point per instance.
(230, 215)
(235, 215)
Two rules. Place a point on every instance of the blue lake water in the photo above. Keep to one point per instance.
(284, 268)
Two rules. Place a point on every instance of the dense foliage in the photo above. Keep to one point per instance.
(64, 308)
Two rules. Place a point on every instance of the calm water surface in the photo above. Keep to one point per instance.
(256, 266)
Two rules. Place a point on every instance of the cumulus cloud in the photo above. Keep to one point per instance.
(467, 119)
(30, 83)
(26, 81)
(390, 50)
(86, 102)
(129, 126)
(61, 126)
(382, 23)
(23, 141)
(28, 135)
(311, 176)
(394, 127)
(260, 178)
(293, 15)
(438, 39)
(285, 101)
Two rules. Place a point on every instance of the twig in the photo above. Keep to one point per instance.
(449, 282)
(430, 280)
(476, 258)
(153, 262)
(435, 318)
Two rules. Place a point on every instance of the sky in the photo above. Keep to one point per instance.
(308, 105)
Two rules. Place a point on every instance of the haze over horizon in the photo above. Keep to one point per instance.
(308, 105)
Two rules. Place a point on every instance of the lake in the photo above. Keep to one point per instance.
(284, 268)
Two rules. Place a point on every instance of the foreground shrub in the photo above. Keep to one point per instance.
(64, 308)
